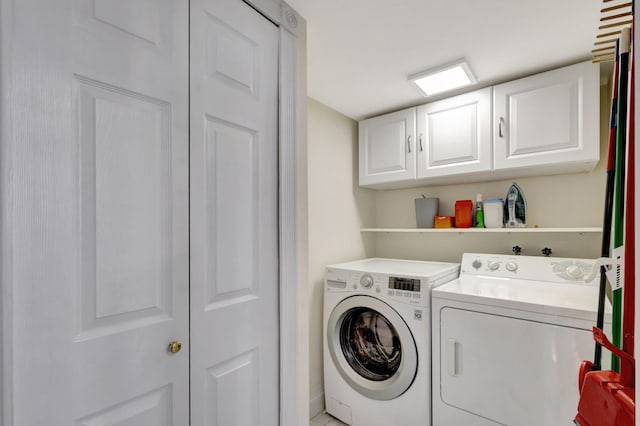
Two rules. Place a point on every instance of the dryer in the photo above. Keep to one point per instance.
(508, 338)
(377, 344)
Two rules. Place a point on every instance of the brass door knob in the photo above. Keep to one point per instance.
(174, 347)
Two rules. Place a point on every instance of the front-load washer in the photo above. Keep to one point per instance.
(509, 336)
(377, 353)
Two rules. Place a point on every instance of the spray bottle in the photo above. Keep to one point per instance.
(479, 212)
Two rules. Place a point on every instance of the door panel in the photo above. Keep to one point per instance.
(146, 23)
(231, 159)
(227, 381)
(133, 180)
(105, 143)
(153, 408)
(234, 216)
(126, 207)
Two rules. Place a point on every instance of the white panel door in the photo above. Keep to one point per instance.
(101, 272)
(387, 148)
(454, 135)
(234, 216)
(548, 118)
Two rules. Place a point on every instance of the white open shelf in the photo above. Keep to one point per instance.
(583, 230)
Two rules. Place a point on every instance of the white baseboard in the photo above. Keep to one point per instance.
(316, 405)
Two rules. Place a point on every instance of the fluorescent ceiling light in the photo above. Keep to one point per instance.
(443, 78)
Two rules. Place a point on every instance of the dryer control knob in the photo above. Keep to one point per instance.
(511, 266)
(476, 264)
(574, 271)
(493, 265)
(366, 281)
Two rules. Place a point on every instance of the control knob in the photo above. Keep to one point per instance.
(493, 265)
(574, 271)
(366, 281)
(476, 264)
(511, 266)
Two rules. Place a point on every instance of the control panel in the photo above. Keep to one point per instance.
(405, 289)
(533, 268)
(406, 284)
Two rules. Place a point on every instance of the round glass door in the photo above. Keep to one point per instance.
(372, 347)
(370, 344)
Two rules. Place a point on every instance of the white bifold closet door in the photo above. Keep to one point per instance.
(98, 213)
(234, 215)
(100, 260)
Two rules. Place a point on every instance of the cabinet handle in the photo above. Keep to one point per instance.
(452, 368)
(421, 148)
(409, 144)
(500, 124)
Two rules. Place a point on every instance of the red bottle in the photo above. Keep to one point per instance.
(464, 213)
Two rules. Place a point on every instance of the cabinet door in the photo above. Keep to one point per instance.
(387, 148)
(454, 135)
(548, 119)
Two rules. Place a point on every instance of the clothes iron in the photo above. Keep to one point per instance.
(516, 208)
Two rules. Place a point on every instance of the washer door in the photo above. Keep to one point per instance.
(372, 347)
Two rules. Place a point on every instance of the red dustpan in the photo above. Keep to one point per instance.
(606, 399)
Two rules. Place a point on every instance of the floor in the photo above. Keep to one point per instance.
(323, 419)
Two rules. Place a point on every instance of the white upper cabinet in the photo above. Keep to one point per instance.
(454, 135)
(544, 124)
(549, 121)
(387, 148)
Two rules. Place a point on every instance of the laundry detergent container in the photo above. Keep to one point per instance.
(494, 213)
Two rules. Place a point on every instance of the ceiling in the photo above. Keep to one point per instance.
(360, 52)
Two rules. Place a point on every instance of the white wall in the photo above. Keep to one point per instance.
(338, 208)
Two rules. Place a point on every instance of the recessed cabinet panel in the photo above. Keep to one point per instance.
(548, 119)
(382, 156)
(454, 135)
(387, 151)
(555, 106)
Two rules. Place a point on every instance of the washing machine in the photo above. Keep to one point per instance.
(377, 345)
(509, 336)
